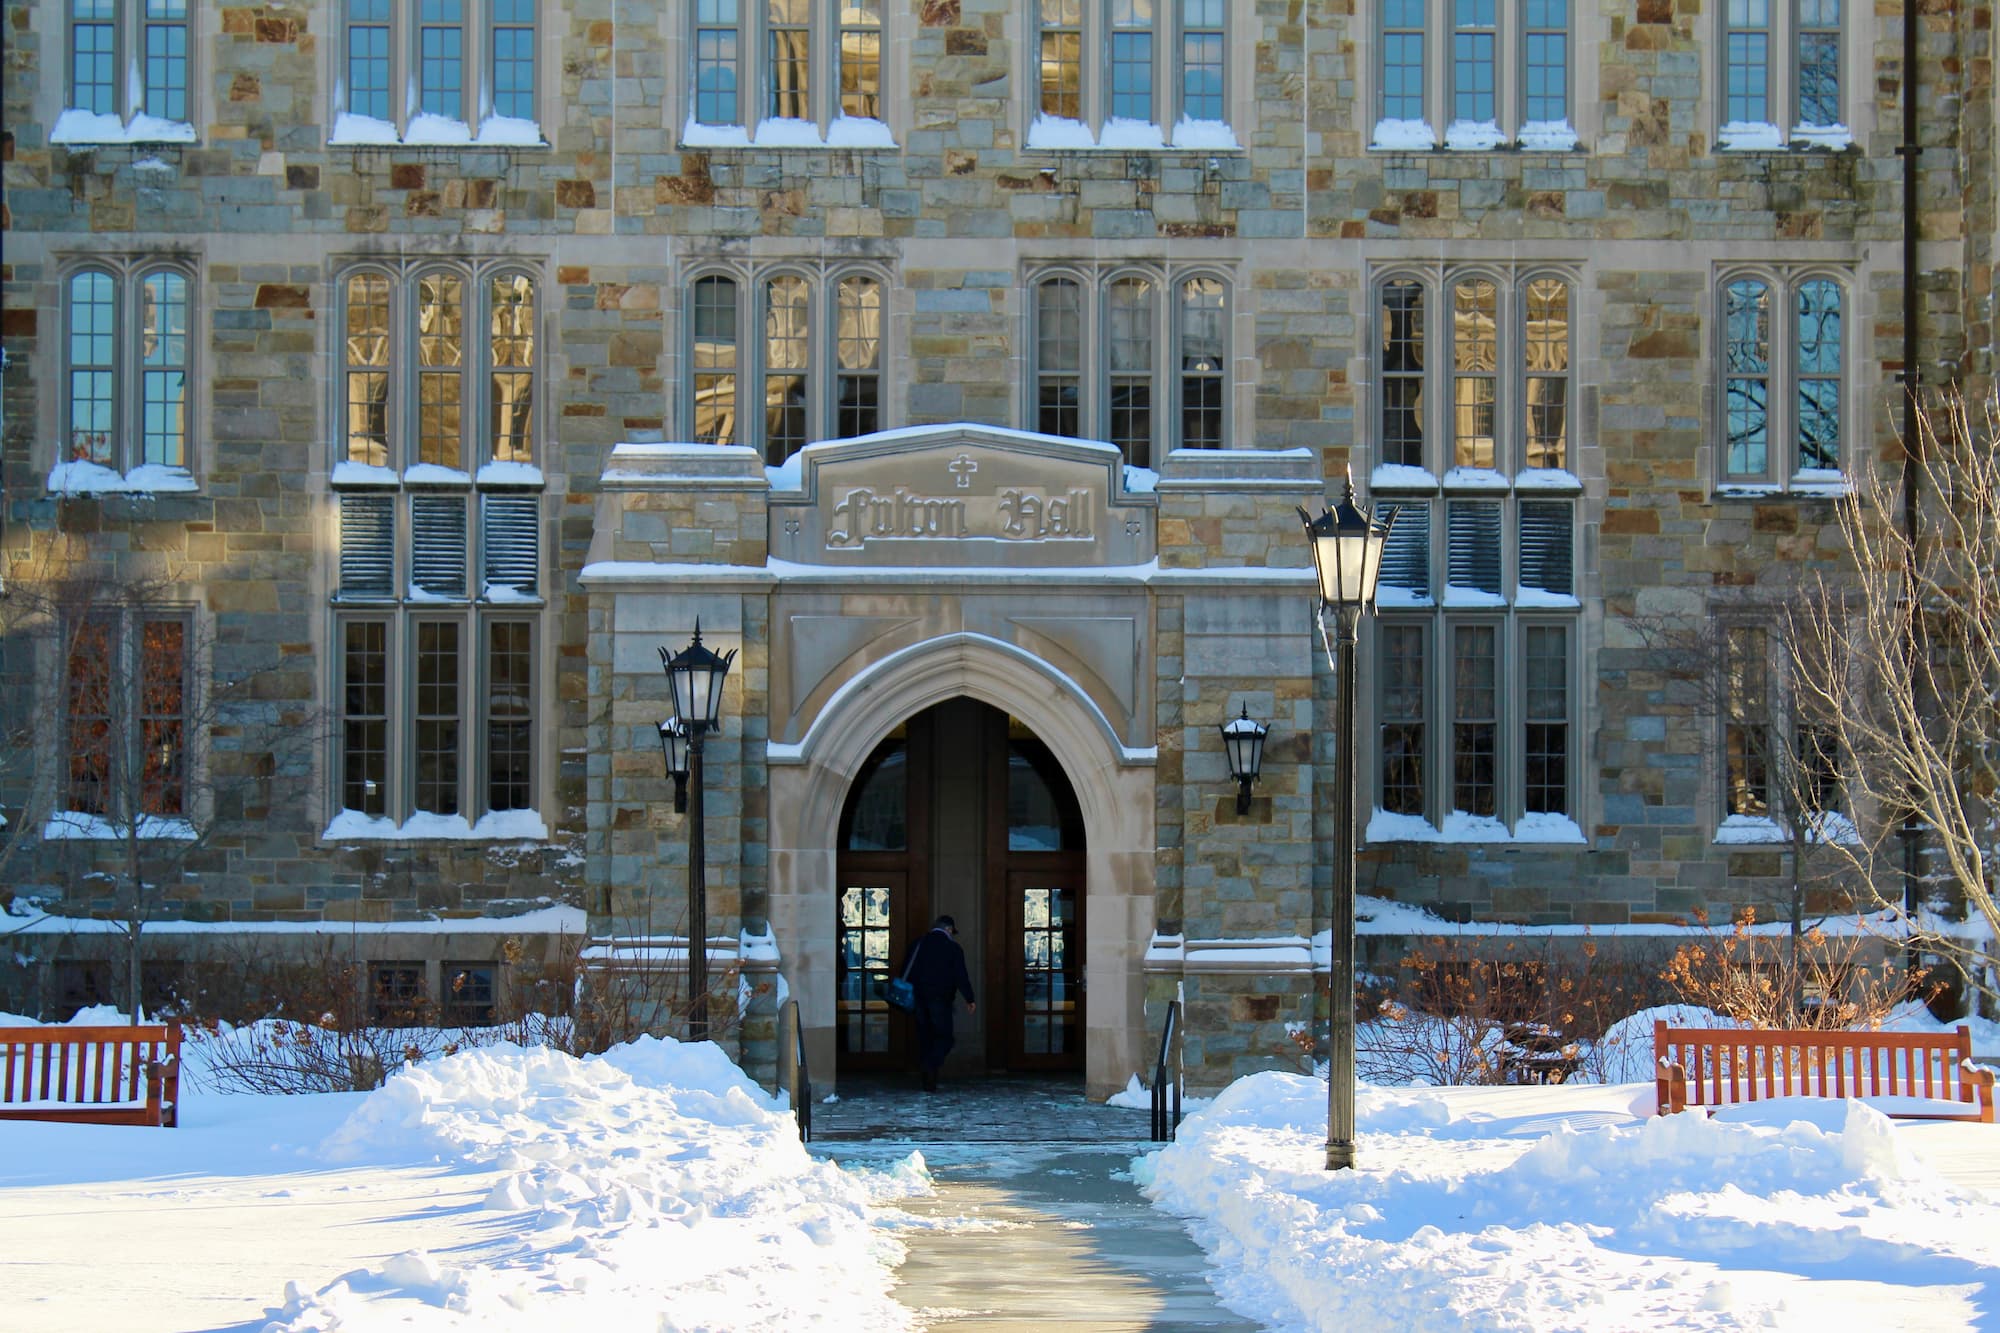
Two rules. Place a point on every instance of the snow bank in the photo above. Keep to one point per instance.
(653, 1186)
(1464, 1215)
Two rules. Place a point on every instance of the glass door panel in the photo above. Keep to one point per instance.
(867, 940)
(1048, 969)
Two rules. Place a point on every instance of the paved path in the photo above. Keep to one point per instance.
(1039, 1224)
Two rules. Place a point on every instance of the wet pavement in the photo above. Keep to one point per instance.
(1036, 1221)
(1017, 1108)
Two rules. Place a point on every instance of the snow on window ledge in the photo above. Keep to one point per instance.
(1459, 826)
(96, 479)
(349, 473)
(1547, 136)
(1749, 136)
(1547, 479)
(1393, 598)
(495, 825)
(1541, 599)
(1060, 134)
(1749, 830)
(1821, 481)
(785, 132)
(509, 474)
(1401, 477)
(1457, 595)
(1473, 136)
(75, 126)
(433, 474)
(1832, 137)
(1209, 135)
(1474, 479)
(430, 131)
(72, 824)
(1404, 136)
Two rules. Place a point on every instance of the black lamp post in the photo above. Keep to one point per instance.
(694, 676)
(1243, 742)
(1347, 552)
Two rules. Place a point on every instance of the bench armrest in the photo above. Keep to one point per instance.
(1980, 1080)
(1670, 1087)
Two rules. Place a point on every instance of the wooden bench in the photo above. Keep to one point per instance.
(92, 1075)
(1909, 1075)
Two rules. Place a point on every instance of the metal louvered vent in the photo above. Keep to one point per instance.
(509, 528)
(1406, 556)
(1472, 545)
(437, 546)
(1547, 538)
(367, 547)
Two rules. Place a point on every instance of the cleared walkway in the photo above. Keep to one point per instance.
(1036, 1220)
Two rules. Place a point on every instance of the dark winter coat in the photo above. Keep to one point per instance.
(937, 967)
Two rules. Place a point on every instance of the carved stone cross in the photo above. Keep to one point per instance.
(962, 469)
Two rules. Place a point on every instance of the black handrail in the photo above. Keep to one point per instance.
(801, 1084)
(1166, 1114)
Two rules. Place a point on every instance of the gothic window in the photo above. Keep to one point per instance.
(1134, 358)
(1481, 73)
(128, 368)
(1783, 378)
(1135, 72)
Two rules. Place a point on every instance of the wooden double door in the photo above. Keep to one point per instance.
(961, 810)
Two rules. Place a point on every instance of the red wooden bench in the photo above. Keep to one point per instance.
(91, 1076)
(1909, 1075)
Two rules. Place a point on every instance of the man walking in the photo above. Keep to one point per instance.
(935, 969)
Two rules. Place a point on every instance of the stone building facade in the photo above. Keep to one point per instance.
(375, 371)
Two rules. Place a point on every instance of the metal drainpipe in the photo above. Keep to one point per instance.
(1912, 383)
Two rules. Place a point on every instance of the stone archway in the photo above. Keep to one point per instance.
(1113, 784)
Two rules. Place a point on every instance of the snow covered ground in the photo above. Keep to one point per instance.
(1576, 1208)
(654, 1188)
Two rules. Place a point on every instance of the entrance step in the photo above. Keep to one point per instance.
(1033, 1236)
(1023, 1108)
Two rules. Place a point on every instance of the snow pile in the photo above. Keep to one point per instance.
(653, 1186)
(1469, 1212)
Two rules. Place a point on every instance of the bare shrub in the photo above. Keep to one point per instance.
(1473, 1010)
(292, 1024)
(1826, 984)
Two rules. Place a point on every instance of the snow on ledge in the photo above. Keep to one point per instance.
(1547, 479)
(1401, 477)
(90, 127)
(1473, 135)
(509, 474)
(1059, 132)
(432, 131)
(65, 825)
(1138, 136)
(495, 825)
(1745, 830)
(347, 472)
(1547, 136)
(1475, 479)
(787, 132)
(1832, 137)
(1459, 826)
(96, 479)
(1404, 136)
(1211, 135)
(1749, 136)
(351, 129)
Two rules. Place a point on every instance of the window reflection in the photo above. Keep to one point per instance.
(1547, 339)
(1475, 361)
(715, 360)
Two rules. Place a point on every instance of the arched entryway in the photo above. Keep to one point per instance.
(962, 809)
(812, 778)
